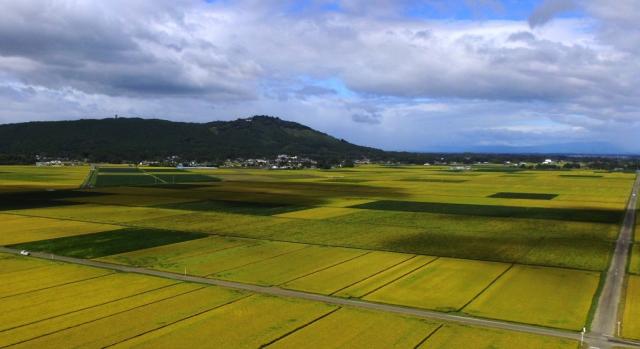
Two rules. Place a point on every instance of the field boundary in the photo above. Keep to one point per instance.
(487, 287)
(398, 278)
(183, 319)
(58, 285)
(323, 316)
(374, 274)
(428, 336)
(328, 267)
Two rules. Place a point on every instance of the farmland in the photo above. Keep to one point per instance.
(136, 311)
(526, 247)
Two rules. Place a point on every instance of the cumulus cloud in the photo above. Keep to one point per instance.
(391, 73)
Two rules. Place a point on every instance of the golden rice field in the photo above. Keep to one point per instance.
(519, 246)
(16, 229)
(539, 295)
(377, 281)
(137, 311)
(354, 328)
(341, 276)
(289, 266)
(27, 178)
(457, 336)
(444, 284)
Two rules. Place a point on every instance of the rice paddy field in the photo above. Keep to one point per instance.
(518, 246)
(65, 305)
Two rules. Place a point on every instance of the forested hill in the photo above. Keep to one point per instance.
(135, 139)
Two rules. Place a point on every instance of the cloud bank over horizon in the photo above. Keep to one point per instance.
(400, 75)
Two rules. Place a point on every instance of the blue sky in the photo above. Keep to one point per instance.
(432, 75)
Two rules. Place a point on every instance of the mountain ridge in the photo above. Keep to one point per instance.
(137, 139)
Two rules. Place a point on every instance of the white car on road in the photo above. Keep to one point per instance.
(25, 252)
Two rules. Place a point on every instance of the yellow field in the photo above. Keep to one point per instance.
(119, 327)
(353, 328)
(445, 284)
(28, 178)
(631, 316)
(248, 323)
(281, 269)
(22, 281)
(99, 213)
(377, 281)
(343, 275)
(88, 315)
(10, 263)
(236, 257)
(16, 229)
(42, 304)
(458, 336)
(166, 256)
(539, 295)
(319, 213)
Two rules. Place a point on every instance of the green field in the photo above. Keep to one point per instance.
(107, 243)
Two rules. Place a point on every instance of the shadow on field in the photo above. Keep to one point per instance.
(563, 214)
(41, 199)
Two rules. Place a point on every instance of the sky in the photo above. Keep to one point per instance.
(432, 75)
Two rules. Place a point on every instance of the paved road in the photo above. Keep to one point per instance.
(593, 340)
(605, 320)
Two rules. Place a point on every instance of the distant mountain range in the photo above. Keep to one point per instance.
(136, 139)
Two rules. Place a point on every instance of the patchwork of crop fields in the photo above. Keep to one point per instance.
(50, 304)
(518, 246)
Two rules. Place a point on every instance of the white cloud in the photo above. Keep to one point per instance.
(403, 79)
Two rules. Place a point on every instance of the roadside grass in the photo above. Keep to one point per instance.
(22, 229)
(631, 315)
(108, 243)
(443, 285)
(540, 296)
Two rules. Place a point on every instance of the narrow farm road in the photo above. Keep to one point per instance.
(605, 321)
(594, 340)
